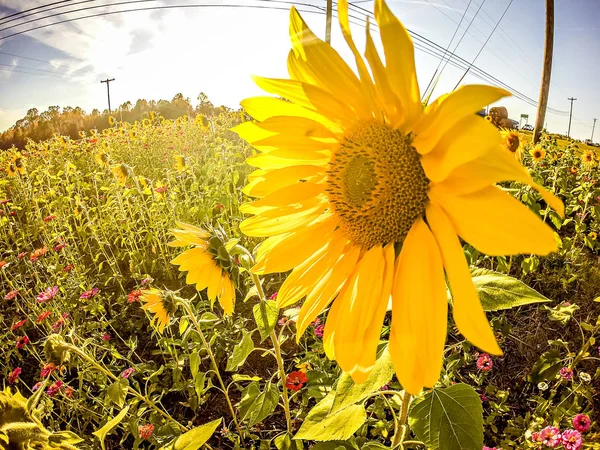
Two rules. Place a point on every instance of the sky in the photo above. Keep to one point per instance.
(216, 49)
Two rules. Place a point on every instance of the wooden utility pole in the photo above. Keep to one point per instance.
(593, 128)
(548, 50)
(328, 21)
(107, 81)
(571, 99)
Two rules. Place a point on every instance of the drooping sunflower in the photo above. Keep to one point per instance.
(589, 158)
(512, 142)
(202, 121)
(122, 172)
(180, 163)
(160, 304)
(102, 158)
(537, 153)
(364, 194)
(208, 263)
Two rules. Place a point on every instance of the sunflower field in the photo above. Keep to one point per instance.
(323, 269)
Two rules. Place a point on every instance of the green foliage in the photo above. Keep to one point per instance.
(196, 437)
(449, 419)
(108, 426)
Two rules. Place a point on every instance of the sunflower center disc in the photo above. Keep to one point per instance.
(376, 184)
(512, 142)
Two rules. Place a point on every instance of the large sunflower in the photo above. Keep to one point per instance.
(208, 264)
(364, 194)
(160, 304)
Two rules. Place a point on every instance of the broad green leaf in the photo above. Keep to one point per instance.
(546, 367)
(117, 392)
(499, 291)
(265, 315)
(561, 313)
(240, 377)
(449, 419)
(196, 437)
(335, 445)
(319, 425)
(208, 317)
(285, 442)
(255, 405)
(108, 426)
(240, 352)
(66, 437)
(194, 363)
(183, 325)
(200, 384)
(348, 392)
(252, 292)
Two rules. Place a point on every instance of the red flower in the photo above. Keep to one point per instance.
(36, 386)
(106, 337)
(37, 253)
(67, 268)
(14, 375)
(160, 190)
(134, 296)
(127, 372)
(22, 255)
(295, 380)
(49, 218)
(56, 326)
(581, 423)
(12, 213)
(47, 370)
(47, 295)
(59, 247)
(89, 294)
(5, 201)
(146, 431)
(19, 324)
(2, 264)
(54, 388)
(11, 295)
(485, 363)
(22, 342)
(69, 391)
(43, 316)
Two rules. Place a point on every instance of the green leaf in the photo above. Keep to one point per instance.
(117, 392)
(546, 367)
(320, 425)
(66, 437)
(194, 363)
(335, 445)
(108, 426)
(449, 419)
(183, 325)
(255, 405)
(240, 377)
(561, 313)
(348, 392)
(252, 292)
(285, 442)
(265, 315)
(498, 291)
(208, 317)
(196, 437)
(240, 352)
(200, 384)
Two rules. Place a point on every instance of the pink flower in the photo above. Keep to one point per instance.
(490, 448)
(11, 295)
(18, 324)
(22, 342)
(106, 337)
(14, 375)
(319, 331)
(36, 386)
(54, 388)
(43, 316)
(49, 218)
(146, 281)
(134, 296)
(550, 436)
(47, 370)
(535, 436)
(89, 294)
(127, 372)
(484, 362)
(571, 440)
(21, 255)
(69, 391)
(581, 423)
(59, 247)
(316, 322)
(48, 294)
(274, 296)
(566, 373)
(283, 321)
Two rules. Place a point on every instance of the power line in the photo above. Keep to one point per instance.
(30, 73)
(425, 42)
(32, 9)
(25, 57)
(484, 44)
(33, 68)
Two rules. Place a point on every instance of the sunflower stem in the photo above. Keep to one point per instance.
(132, 391)
(402, 426)
(277, 347)
(192, 316)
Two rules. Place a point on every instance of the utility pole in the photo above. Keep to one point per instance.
(545, 88)
(107, 81)
(328, 16)
(593, 127)
(571, 99)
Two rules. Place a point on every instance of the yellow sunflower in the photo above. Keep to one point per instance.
(512, 142)
(588, 158)
(102, 158)
(18, 161)
(121, 172)
(11, 170)
(364, 194)
(180, 163)
(111, 120)
(593, 235)
(160, 304)
(202, 121)
(537, 153)
(207, 264)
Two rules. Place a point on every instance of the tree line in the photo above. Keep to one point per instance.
(69, 121)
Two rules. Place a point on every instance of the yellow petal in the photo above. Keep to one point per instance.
(304, 277)
(466, 307)
(448, 110)
(419, 312)
(494, 167)
(363, 305)
(284, 252)
(263, 182)
(278, 159)
(284, 220)
(327, 288)
(495, 223)
(191, 258)
(400, 62)
(284, 197)
(469, 139)
(214, 276)
(227, 295)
